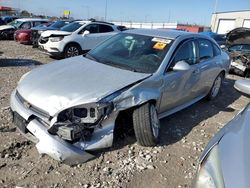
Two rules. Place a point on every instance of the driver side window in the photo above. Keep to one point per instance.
(92, 28)
(25, 25)
(186, 52)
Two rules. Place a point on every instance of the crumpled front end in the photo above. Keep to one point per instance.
(69, 135)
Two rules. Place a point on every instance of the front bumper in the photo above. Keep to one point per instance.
(53, 48)
(56, 147)
(54, 53)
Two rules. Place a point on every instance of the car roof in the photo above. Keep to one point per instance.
(165, 33)
(81, 21)
(31, 19)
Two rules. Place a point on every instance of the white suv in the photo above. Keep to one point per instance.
(76, 38)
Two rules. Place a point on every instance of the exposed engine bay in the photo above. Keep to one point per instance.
(238, 45)
(240, 63)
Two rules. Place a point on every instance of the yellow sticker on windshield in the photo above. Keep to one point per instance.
(159, 45)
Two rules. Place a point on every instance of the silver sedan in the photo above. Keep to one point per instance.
(71, 107)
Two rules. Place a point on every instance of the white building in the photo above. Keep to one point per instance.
(147, 25)
(223, 22)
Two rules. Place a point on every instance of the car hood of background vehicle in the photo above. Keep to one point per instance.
(4, 27)
(234, 152)
(238, 36)
(74, 81)
(55, 33)
(23, 31)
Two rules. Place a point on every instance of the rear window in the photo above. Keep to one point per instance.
(122, 28)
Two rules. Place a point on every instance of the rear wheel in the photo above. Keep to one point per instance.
(72, 50)
(146, 125)
(216, 87)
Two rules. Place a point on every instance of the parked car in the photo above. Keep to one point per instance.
(7, 19)
(224, 162)
(219, 38)
(25, 36)
(2, 22)
(71, 107)
(238, 46)
(76, 38)
(36, 31)
(7, 31)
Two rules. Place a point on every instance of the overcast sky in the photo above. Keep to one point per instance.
(183, 11)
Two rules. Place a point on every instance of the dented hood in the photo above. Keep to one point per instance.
(70, 82)
(54, 33)
(238, 36)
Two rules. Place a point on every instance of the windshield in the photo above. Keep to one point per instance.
(72, 27)
(133, 52)
(15, 23)
(58, 24)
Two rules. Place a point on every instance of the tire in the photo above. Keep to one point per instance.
(72, 50)
(146, 125)
(214, 91)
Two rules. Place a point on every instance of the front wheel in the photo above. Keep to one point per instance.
(216, 87)
(72, 50)
(146, 125)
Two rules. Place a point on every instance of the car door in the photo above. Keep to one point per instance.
(208, 59)
(180, 86)
(97, 34)
(88, 40)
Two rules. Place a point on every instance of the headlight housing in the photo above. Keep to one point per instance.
(209, 174)
(23, 76)
(56, 39)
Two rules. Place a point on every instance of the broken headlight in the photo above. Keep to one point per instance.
(76, 123)
(209, 174)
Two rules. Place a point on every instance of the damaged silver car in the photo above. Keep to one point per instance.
(70, 108)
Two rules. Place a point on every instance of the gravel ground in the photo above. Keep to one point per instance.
(171, 164)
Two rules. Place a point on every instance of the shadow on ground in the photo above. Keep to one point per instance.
(17, 62)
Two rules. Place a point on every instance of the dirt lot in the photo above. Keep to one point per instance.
(126, 164)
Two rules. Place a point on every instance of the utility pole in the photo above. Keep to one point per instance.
(215, 6)
(215, 25)
(106, 7)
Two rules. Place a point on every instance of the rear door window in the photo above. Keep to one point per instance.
(105, 28)
(205, 49)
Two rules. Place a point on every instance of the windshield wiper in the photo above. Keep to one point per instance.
(123, 66)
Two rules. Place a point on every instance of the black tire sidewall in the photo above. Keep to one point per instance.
(69, 46)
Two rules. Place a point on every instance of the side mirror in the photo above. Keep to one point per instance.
(181, 66)
(243, 86)
(86, 32)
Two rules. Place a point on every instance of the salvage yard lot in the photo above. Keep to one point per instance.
(171, 164)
